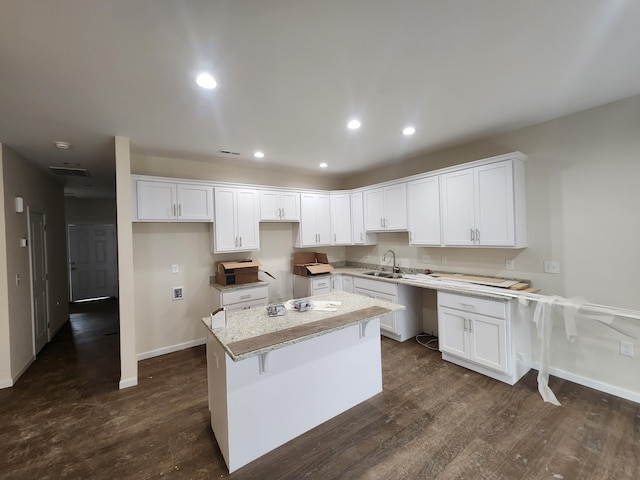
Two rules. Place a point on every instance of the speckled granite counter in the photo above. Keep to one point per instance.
(225, 288)
(252, 332)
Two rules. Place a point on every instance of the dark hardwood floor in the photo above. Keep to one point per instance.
(65, 418)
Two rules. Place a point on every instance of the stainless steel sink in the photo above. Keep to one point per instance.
(384, 274)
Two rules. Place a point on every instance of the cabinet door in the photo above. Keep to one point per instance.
(290, 205)
(494, 204)
(341, 219)
(156, 200)
(226, 239)
(458, 208)
(488, 339)
(357, 218)
(308, 228)
(323, 219)
(374, 209)
(195, 203)
(269, 206)
(395, 207)
(423, 211)
(452, 332)
(247, 220)
(347, 283)
(336, 283)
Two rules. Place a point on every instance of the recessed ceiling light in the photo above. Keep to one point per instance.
(323, 165)
(409, 131)
(62, 145)
(353, 125)
(206, 81)
(258, 155)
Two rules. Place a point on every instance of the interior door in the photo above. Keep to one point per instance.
(92, 261)
(38, 262)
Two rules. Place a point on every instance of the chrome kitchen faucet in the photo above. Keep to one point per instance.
(396, 268)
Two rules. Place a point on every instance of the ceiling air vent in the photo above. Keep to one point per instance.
(70, 172)
(229, 152)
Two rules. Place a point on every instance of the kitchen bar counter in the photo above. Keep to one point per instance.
(270, 379)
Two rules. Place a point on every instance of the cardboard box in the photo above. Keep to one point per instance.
(311, 263)
(237, 272)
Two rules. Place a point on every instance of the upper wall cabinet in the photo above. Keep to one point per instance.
(315, 221)
(236, 227)
(169, 201)
(359, 236)
(341, 218)
(423, 211)
(485, 206)
(385, 208)
(279, 206)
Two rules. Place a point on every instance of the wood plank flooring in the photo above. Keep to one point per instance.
(65, 419)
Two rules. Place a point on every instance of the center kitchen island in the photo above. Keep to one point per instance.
(270, 379)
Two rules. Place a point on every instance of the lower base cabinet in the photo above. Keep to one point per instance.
(308, 286)
(400, 325)
(484, 335)
(239, 297)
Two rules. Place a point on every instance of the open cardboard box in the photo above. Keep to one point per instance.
(237, 272)
(311, 263)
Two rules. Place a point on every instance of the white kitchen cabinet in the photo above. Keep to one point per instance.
(236, 227)
(359, 235)
(347, 283)
(308, 286)
(171, 201)
(423, 211)
(337, 284)
(279, 206)
(485, 206)
(238, 298)
(385, 208)
(341, 218)
(400, 325)
(315, 221)
(484, 335)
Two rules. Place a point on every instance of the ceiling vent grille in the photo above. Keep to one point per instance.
(229, 152)
(70, 172)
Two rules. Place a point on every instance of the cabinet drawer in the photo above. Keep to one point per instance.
(482, 306)
(321, 283)
(244, 295)
(376, 286)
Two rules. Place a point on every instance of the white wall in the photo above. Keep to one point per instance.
(41, 193)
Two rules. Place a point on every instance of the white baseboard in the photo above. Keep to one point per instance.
(171, 349)
(591, 383)
(128, 382)
(6, 383)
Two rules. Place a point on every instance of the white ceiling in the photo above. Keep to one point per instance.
(291, 73)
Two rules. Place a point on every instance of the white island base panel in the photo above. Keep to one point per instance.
(262, 402)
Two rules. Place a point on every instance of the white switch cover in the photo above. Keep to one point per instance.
(509, 264)
(626, 348)
(551, 267)
(426, 258)
(174, 268)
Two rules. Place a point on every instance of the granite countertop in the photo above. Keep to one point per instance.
(434, 283)
(224, 288)
(252, 332)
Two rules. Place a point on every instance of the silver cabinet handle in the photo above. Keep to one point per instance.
(361, 235)
(179, 209)
(323, 284)
(235, 241)
(241, 242)
(173, 209)
(477, 235)
(335, 238)
(381, 222)
(244, 297)
(473, 237)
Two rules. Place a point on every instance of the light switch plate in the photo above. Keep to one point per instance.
(509, 264)
(174, 268)
(426, 258)
(551, 266)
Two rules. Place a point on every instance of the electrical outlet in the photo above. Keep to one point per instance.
(174, 268)
(177, 293)
(551, 267)
(444, 260)
(626, 348)
(509, 264)
(426, 258)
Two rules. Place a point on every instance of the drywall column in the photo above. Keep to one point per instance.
(5, 344)
(128, 361)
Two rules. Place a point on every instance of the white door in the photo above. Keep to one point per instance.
(225, 224)
(395, 207)
(194, 203)
(458, 208)
(341, 219)
(494, 204)
(374, 209)
(38, 262)
(423, 210)
(247, 220)
(290, 203)
(156, 200)
(308, 220)
(92, 261)
(323, 219)
(452, 331)
(488, 338)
